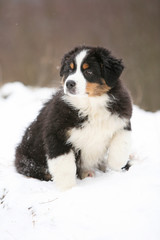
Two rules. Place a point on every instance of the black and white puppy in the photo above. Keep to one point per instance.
(86, 124)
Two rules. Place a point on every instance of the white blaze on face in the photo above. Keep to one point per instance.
(77, 76)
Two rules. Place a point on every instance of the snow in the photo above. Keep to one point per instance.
(110, 206)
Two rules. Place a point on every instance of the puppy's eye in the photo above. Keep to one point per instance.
(89, 72)
(70, 70)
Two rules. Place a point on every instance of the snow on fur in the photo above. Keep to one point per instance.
(113, 205)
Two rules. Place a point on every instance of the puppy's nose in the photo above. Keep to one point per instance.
(70, 84)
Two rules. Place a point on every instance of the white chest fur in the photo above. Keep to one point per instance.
(94, 137)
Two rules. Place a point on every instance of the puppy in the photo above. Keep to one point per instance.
(86, 124)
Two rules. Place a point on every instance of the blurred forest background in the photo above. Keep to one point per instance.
(35, 34)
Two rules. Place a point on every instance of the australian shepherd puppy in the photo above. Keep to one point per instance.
(86, 124)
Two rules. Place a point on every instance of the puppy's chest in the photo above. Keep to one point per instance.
(94, 136)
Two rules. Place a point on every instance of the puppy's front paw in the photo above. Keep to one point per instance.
(116, 166)
(65, 185)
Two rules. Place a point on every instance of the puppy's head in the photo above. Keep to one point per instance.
(89, 70)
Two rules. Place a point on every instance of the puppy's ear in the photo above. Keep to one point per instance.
(110, 66)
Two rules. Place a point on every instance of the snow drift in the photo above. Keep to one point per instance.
(111, 206)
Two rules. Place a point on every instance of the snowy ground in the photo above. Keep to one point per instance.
(111, 206)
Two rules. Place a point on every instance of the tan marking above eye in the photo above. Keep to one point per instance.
(85, 66)
(72, 65)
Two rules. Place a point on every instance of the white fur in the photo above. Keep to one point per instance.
(78, 77)
(119, 150)
(98, 133)
(63, 170)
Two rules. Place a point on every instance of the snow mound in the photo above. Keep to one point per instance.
(111, 206)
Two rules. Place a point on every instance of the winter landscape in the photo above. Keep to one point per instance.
(111, 206)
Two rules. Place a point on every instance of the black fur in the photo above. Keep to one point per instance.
(121, 101)
(47, 135)
(111, 67)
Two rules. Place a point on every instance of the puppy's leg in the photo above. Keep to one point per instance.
(119, 150)
(63, 170)
(82, 172)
